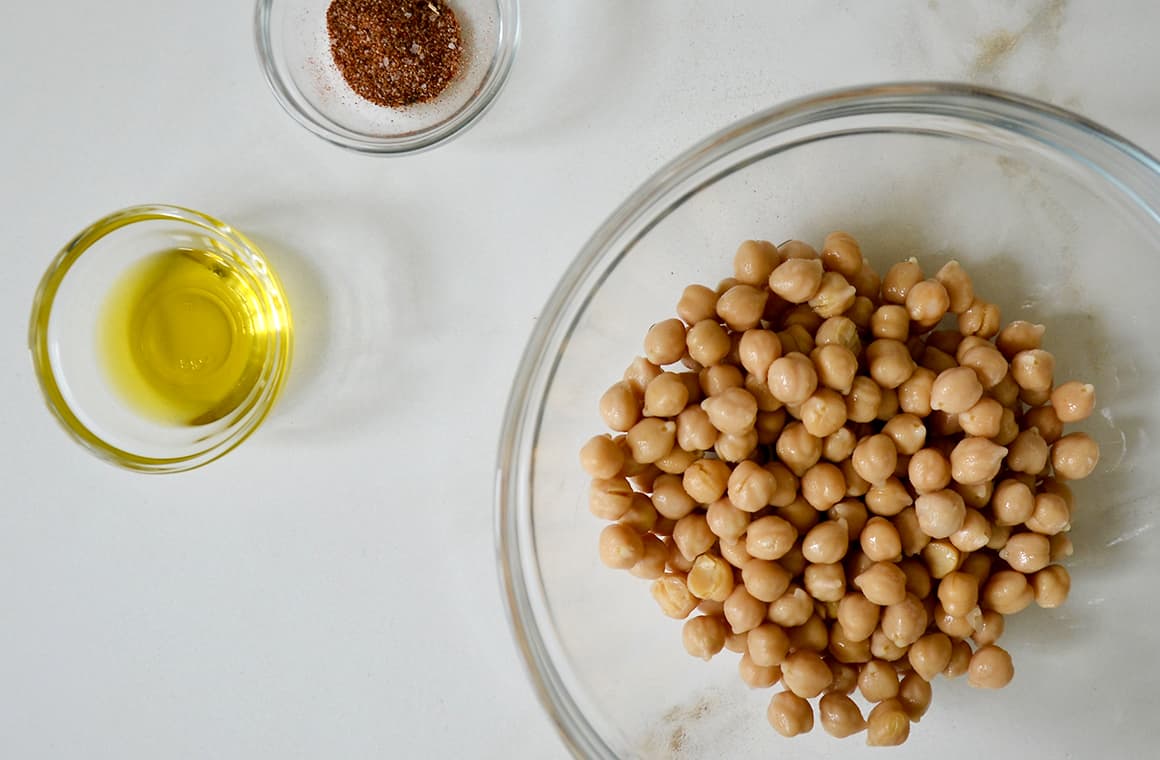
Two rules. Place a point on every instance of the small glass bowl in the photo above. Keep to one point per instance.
(294, 48)
(71, 363)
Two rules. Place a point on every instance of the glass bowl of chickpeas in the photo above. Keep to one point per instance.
(837, 433)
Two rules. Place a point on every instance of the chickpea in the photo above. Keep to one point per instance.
(1061, 547)
(694, 430)
(792, 378)
(988, 364)
(692, 535)
(713, 609)
(704, 636)
(758, 349)
(1033, 370)
(697, 303)
(756, 676)
(989, 629)
(651, 438)
(619, 407)
(836, 366)
(670, 498)
(982, 319)
(741, 307)
(918, 580)
(956, 390)
(954, 626)
(982, 420)
(800, 514)
(1051, 515)
(969, 343)
(823, 486)
(905, 622)
(715, 380)
(888, 499)
(858, 616)
(812, 635)
(890, 362)
(676, 461)
(754, 261)
(887, 405)
(789, 714)
(825, 582)
(1060, 489)
(976, 460)
(736, 447)
(707, 342)
(665, 396)
(665, 342)
(914, 394)
(726, 521)
(1034, 398)
(839, 445)
(846, 651)
(673, 596)
(601, 458)
(927, 302)
(743, 611)
(937, 361)
(805, 673)
(875, 458)
(1052, 584)
(1046, 421)
(1073, 401)
(839, 331)
(834, 296)
(991, 668)
(915, 695)
(620, 546)
(880, 540)
(974, 534)
(765, 580)
(841, 253)
(930, 655)
(677, 561)
(768, 645)
(999, 536)
(796, 280)
(958, 285)
(734, 410)
(1074, 456)
(909, 531)
(797, 449)
(770, 537)
(1027, 552)
(856, 485)
(1028, 452)
(1007, 592)
(768, 424)
(795, 339)
(888, 724)
(929, 471)
(827, 542)
(1019, 336)
(907, 432)
(878, 681)
(890, 321)
(884, 649)
(609, 498)
(899, 280)
(960, 659)
(867, 283)
(958, 593)
(640, 516)
(857, 562)
(705, 480)
(883, 584)
(941, 557)
(863, 400)
(840, 716)
(823, 413)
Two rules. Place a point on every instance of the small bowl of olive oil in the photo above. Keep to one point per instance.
(161, 338)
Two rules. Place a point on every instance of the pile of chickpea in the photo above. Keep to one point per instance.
(850, 494)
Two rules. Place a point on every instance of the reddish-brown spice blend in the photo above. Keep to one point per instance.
(394, 52)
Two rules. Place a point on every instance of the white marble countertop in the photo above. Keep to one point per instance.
(328, 590)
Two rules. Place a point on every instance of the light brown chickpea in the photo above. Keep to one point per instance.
(758, 349)
(826, 542)
(976, 460)
(707, 342)
(918, 580)
(905, 622)
(734, 410)
(825, 582)
(669, 497)
(734, 552)
(750, 488)
(888, 499)
(742, 306)
(890, 321)
(1061, 547)
(792, 378)
(767, 645)
(991, 668)
(856, 485)
(907, 432)
(1046, 421)
(952, 625)
(960, 660)
(697, 303)
(639, 374)
(600, 457)
(988, 365)
(878, 681)
(958, 593)
(620, 546)
(914, 394)
(796, 280)
(791, 609)
(651, 438)
(846, 651)
(974, 534)
(710, 577)
(899, 279)
(890, 362)
(736, 447)
(676, 560)
(673, 597)
(1006, 391)
(857, 562)
(1008, 428)
(755, 676)
(641, 515)
(883, 583)
(619, 407)
(692, 535)
(982, 420)
(1051, 515)
(988, 629)
(875, 458)
(858, 615)
(959, 287)
(1034, 398)
(1007, 592)
(860, 312)
(955, 390)
(1027, 453)
(834, 296)
(839, 445)
(812, 635)
(789, 714)
(704, 636)
(726, 521)
(797, 449)
(1074, 456)
(1060, 489)
(836, 366)
(868, 283)
(999, 536)
(1033, 370)
(800, 514)
(736, 643)
(823, 486)
(795, 338)
(1052, 584)
(705, 480)
(943, 424)
(694, 430)
(754, 261)
(1027, 552)
(845, 674)
(665, 342)
(839, 331)
(841, 253)
(915, 695)
(805, 673)
(665, 396)
(937, 361)
(887, 725)
(982, 319)
(884, 649)
(770, 537)
(978, 565)
(887, 405)
(769, 424)
(929, 471)
(715, 380)
(930, 655)
(880, 540)
(969, 343)
(766, 402)
(765, 580)
(725, 284)
(941, 557)
(863, 400)
(909, 531)
(652, 563)
(1019, 336)
(609, 498)
(823, 413)
(840, 716)
(926, 303)
(743, 611)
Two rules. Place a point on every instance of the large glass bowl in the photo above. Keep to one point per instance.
(1057, 219)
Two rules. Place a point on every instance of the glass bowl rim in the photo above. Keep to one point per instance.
(522, 415)
(413, 142)
(274, 370)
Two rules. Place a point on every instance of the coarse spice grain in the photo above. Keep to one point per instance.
(395, 53)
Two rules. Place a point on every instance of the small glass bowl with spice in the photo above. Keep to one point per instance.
(161, 338)
(387, 77)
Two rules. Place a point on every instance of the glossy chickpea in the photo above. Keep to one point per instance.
(765, 580)
(847, 651)
(929, 471)
(1033, 370)
(620, 546)
(983, 419)
(875, 458)
(805, 673)
(797, 449)
(878, 681)
(609, 498)
(839, 445)
(858, 615)
(1074, 456)
(888, 724)
(812, 635)
(704, 636)
(926, 303)
(1008, 428)
(651, 438)
(899, 279)
(914, 394)
(800, 514)
(856, 485)
(789, 714)
(941, 557)
(955, 390)
(757, 350)
(726, 521)
(887, 405)
(988, 629)
(743, 611)
(888, 499)
(990, 668)
(960, 660)
(767, 645)
(791, 609)
(841, 253)
(673, 597)
(905, 622)
(958, 593)
(915, 695)
(601, 458)
(825, 582)
(907, 432)
(677, 561)
(755, 676)
(1050, 516)
(707, 342)
(734, 410)
(976, 495)
(976, 460)
(960, 290)
(840, 716)
(883, 583)
(826, 542)
(981, 319)
(823, 413)
(692, 535)
(736, 447)
(823, 486)
(671, 499)
(619, 407)
(835, 366)
(952, 625)
(796, 339)
(1027, 453)
(665, 342)
(1051, 585)
(741, 307)
(755, 261)
(653, 559)
(769, 425)
(710, 577)
(713, 381)
(665, 396)
(890, 321)
(974, 534)
(999, 536)
(792, 378)
(909, 532)
(880, 540)
(890, 362)
(1073, 401)
(834, 296)
(839, 331)
(1046, 421)
(918, 580)
(641, 515)
(930, 655)
(796, 280)
(770, 537)
(863, 400)
(697, 303)
(937, 361)
(1007, 592)
(705, 480)
(1019, 336)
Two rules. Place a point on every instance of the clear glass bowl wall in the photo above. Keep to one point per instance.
(1057, 220)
